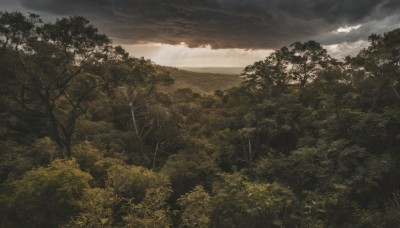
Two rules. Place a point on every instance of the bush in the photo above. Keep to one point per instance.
(45, 197)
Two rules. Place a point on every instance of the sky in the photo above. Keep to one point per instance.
(224, 33)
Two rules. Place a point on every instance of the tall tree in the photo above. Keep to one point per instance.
(381, 60)
(138, 95)
(273, 71)
(307, 60)
(51, 65)
(299, 63)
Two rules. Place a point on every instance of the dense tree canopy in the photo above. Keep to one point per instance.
(88, 138)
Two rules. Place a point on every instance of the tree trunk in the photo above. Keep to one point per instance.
(55, 129)
(250, 158)
(67, 145)
(395, 92)
(134, 119)
(138, 137)
(155, 155)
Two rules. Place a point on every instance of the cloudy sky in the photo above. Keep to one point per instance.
(230, 33)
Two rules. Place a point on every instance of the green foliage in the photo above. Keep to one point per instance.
(241, 203)
(300, 63)
(388, 217)
(196, 208)
(272, 71)
(45, 197)
(15, 28)
(305, 140)
(86, 155)
(187, 169)
(97, 204)
(15, 160)
(44, 150)
(152, 211)
(133, 181)
(134, 197)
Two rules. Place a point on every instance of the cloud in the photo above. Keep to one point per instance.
(250, 24)
(352, 34)
(341, 50)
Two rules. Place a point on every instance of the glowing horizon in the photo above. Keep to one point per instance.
(182, 56)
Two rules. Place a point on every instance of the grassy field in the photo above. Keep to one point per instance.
(203, 83)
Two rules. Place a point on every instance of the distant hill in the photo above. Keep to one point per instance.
(203, 83)
(216, 70)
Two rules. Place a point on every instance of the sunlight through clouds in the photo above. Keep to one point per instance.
(183, 56)
(347, 29)
(340, 51)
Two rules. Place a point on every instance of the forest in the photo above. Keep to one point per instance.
(87, 138)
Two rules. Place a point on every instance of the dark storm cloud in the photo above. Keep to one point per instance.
(227, 23)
